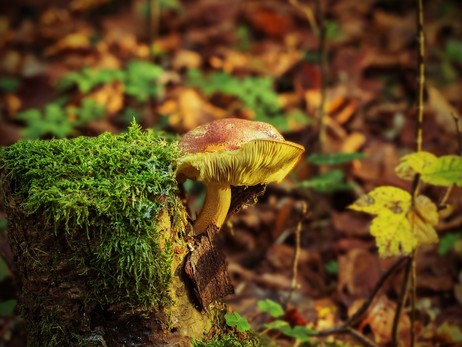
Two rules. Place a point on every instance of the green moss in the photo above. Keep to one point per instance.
(230, 340)
(110, 189)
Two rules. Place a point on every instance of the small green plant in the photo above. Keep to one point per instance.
(252, 93)
(89, 78)
(235, 320)
(57, 120)
(332, 267)
(140, 79)
(275, 310)
(9, 84)
(333, 180)
(447, 242)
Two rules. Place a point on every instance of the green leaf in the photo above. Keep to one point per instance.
(277, 324)
(254, 93)
(234, 319)
(9, 84)
(328, 182)
(439, 171)
(447, 242)
(454, 50)
(298, 332)
(332, 267)
(142, 80)
(7, 308)
(446, 170)
(4, 271)
(89, 110)
(333, 31)
(333, 158)
(271, 307)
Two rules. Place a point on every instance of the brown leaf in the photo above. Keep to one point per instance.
(12, 103)
(442, 109)
(268, 21)
(359, 270)
(380, 319)
(352, 224)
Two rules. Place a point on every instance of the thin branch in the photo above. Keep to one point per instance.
(298, 231)
(401, 301)
(459, 135)
(421, 79)
(413, 295)
(323, 66)
(360, 337)
(445, 197)
(308, 14)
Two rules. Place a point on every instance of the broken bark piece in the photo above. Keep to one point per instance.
(206, 268)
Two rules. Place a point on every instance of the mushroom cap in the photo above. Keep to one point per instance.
(236, 152)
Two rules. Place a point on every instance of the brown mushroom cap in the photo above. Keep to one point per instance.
(237, 152)
(226, 134)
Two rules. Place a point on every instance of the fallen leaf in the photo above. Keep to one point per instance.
(353, 142)
(75, 41)
(111, 96)
(83, 5)
(380, 319)
(442, 108)
(187, 59)
(359, 270)
(12, 103)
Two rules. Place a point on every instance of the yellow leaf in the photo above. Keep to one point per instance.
(383, 199)
(393, 235)
(399, 227)
(426, 209)
(414, 163)
(439, 171)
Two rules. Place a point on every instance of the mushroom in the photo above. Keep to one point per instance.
(232, 152)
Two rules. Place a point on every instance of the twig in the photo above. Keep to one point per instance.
(308, 14)
(323, 67)
(365, 306)
(442, 203)
(401, 301)
(298, 230)
(459, 135)
(366, 342)
(421, 79)
(152, 21)
(413, 296)
(410, 267)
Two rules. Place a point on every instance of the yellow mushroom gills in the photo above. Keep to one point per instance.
(233, 152)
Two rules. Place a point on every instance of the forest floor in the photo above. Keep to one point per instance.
(71, 68)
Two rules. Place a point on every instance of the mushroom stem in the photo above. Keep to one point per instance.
(215, 209)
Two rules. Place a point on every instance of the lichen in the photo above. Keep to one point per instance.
(112, 189)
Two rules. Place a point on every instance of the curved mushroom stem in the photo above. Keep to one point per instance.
(215, 209)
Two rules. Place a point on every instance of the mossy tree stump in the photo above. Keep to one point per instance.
(99, 238)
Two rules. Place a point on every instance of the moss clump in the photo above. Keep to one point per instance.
(233, 339)
(110, 189)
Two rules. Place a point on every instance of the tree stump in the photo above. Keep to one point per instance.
(100, 240)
